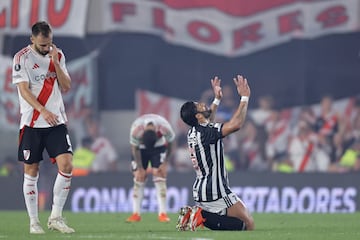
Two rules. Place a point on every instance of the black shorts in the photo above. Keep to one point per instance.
(33, 141)
(155, 156)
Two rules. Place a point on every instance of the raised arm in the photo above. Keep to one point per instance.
(215, 83)
(63, 77)
(238, 118)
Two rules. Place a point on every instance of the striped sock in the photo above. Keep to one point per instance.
(61, 191)
(30, 191)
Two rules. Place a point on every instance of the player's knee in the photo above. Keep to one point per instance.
(66, 167)
(32, 171)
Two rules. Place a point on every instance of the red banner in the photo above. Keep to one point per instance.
(67, 17)
(229, 28)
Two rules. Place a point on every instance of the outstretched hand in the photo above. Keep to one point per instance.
(242, 86)
(215, 83)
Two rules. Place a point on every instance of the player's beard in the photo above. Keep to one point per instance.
(206, 113)
(41, 52)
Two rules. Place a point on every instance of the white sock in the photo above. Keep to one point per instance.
(138, 195)
(160, 185)
(61, 191)
(30, 191)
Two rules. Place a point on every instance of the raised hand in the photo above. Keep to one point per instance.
(242, 86)
(215, 83)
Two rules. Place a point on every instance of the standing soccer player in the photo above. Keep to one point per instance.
(151, 139)
(40, 73)
(218, 208)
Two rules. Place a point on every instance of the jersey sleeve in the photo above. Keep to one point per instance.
(19, 72)
(134, 134)
(167, 131)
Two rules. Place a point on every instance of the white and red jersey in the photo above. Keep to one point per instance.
(162, 127)
(105, 155)
(39, 71)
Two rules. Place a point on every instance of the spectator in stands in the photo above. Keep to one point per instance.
(326, 126)
(283, 164)
(352, 132)
(228, 104)
(83, 158)
(252, 147)
(77, 126)
(307, 115)
(8, 167)
(305, 152)
(349, 161)
(278, 132)
(105, 153)
(262, 114)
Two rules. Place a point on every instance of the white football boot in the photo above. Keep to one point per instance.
(59, 224)
(36, 228)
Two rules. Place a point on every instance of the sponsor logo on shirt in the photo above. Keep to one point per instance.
(43, 77)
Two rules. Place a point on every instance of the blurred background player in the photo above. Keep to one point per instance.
(151, 139)
(218, 208)
(40, 73)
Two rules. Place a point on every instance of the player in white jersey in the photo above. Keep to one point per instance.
(218, 208)
(151, 138)
(40, 75)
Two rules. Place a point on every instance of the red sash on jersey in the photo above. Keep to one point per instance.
(306, 157)
(45, 93)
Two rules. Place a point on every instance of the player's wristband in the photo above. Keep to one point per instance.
(216, 101)
(244, 99)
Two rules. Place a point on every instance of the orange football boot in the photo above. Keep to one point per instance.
(196, 219)
(135, 217)
(184, 218)
(163, 217)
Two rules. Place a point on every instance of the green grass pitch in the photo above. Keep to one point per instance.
(14, 225)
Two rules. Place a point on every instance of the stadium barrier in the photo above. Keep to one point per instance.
(262, 192)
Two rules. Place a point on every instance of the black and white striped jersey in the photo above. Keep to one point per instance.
(206, 151)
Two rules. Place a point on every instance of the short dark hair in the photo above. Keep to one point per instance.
(149, 138)
(86, 141)
(187, 113)
(42, 28)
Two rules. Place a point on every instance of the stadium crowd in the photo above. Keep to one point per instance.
(324, 137)
(318, 138)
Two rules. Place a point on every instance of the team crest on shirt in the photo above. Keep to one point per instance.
(26, 154)
(17, 67)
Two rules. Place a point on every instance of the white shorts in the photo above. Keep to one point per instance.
(219, 206)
